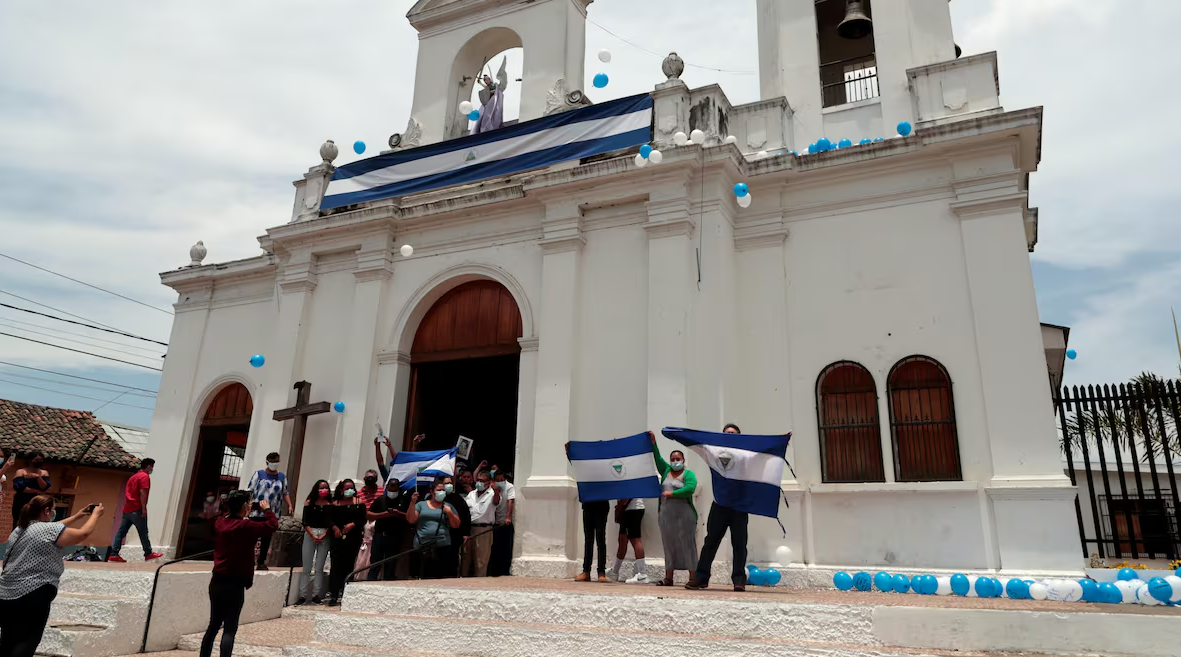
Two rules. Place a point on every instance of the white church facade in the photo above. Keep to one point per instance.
(875, 300)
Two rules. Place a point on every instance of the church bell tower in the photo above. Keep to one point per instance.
(842, 64)
(457, 37)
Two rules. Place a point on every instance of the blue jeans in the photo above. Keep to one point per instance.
(140, 521)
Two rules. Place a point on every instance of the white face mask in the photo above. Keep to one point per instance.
(273, 466)
(209, 499)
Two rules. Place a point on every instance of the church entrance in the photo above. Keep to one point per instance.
(465, 364)
(217, 469)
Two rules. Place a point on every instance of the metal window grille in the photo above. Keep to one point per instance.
(850, 433)
(849, 80)
(922, 422)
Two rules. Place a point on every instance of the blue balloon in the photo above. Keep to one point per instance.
(600, 80)
(1160, 589)
(772, 577)
(358, 147)
(1109, 593)
(843, 581)
(865, 141)
(845, 143)
(1072, 354)
(824, 144)
(1090, 590)
(883, 581)
(984, 587)
(960, 584)
(473, 115)
(862, 581)
(645, 151)
(1017, 589)
(905, 128)
(931, 585)
(758, 577)
(813, 148)
(741, 190)
(901, 584)
(338, 407)
(1126, 575)
(1178, 573)
(879, 139)
(258, 360)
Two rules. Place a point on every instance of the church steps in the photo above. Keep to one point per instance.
(105, 581)
(262, 639)
(103, 611)
(67, 639)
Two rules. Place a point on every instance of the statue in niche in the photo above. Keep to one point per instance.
(492, 100)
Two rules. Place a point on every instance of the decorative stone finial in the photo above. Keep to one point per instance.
(673, 66)
(197, 254)
(329, 151)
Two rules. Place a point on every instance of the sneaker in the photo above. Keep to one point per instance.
(582, 577)
(154, 555)
(603, 579)
(694, 585)
(114, 558)
(301, 602)
(640, 578)
(612, 575)
(739, 588)
(334, 602)
(317, 600)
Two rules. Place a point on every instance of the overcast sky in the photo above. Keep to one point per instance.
(130, 130)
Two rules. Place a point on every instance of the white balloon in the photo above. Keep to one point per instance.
(680, 139)
(1174, 582)
(972, 586)
(640, 161)
(656, 157)
(731, 139)
(1145, 598)
(605, 56)
(1063, 590)
(783, 555)
(466, 107)
(944, 585)
(697, 136)
(744, 201)
(1127, 590)
(406, 250)
(1037, 591)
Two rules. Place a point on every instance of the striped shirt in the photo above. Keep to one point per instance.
(33, 559)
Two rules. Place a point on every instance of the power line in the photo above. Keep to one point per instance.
(70, 321)
(81, 335)
(125, 362)
(73, 376)
(652, 52)
(50, 271)
(68, 383)
(82, 342)
(59, 310)
(70, 394)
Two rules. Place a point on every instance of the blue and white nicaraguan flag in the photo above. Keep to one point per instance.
(615, 469)
(747, 470)
(572, 135)
(413, 468)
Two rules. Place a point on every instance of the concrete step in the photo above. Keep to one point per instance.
(353, 635)
(107, 580)
(97, 610)
(66, 639)
(263, 639)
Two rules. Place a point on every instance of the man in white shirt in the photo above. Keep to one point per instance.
(501, 562)
(482, 502)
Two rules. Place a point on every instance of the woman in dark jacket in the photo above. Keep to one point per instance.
(317, 540)
(348, 527)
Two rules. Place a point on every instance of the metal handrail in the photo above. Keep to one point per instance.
(423, 548)
(143, 646)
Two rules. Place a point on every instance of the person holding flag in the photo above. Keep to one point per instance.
(747, 473)
(678, 516)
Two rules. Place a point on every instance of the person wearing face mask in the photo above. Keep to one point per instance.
(270, 486)
(431, 519)
(29, 482)
(233, 557)
(348, 524)
(500, 564)
(388, 515)
(32, 570)
(317, 541)
(212, 507)
(482, 502)
(459, 503)
(370, 491)
(135, 513)
(721, 519)
(678, 517)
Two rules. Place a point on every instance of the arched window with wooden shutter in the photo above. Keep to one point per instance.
(922, 421)
(850, 433)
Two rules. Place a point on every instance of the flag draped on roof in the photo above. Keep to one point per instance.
(413, 468)
(615, 469)
(747, 470)
(572, 135)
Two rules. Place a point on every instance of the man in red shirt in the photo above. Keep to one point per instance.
(135, 512)
(233, 567)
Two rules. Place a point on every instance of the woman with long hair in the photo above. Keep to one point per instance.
(431, 520)
(32, 568)
(678, 516)
(348, 524)
(317, 540)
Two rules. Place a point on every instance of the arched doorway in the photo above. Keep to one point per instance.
(465, 364)
(217, 468)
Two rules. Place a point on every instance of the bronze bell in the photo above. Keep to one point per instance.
(857, 24)
(958, 51)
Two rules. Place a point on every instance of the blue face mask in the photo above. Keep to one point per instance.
(480, 486)
(392, 494)
(1, 460)
(449, 488)
(350, 492)
(440, 495)
(677, 466)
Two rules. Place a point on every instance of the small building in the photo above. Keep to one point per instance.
(86, 466)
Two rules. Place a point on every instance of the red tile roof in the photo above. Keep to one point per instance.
(63, 435)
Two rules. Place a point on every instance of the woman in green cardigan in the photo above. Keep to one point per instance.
(678, 518)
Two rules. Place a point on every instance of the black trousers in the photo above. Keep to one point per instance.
(722, 518)
(500, 564)
(594, 532)
(23, 620)
(226, 598)
(384, 545)
(264, 547)
(344, 558)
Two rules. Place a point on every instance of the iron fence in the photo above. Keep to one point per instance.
(849, 80)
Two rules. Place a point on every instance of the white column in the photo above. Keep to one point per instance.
(549, 518)
(391, 394)
(354, 453)
(526, 403)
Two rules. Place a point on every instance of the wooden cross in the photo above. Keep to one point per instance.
(299, 413)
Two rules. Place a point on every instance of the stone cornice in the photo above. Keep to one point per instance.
(528, 344)
(990, 205)
(454, 15)
(758, 235)
(393, 358)
(260, 267)
(562, 244)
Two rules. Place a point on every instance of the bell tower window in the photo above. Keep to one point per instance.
(848, 60)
